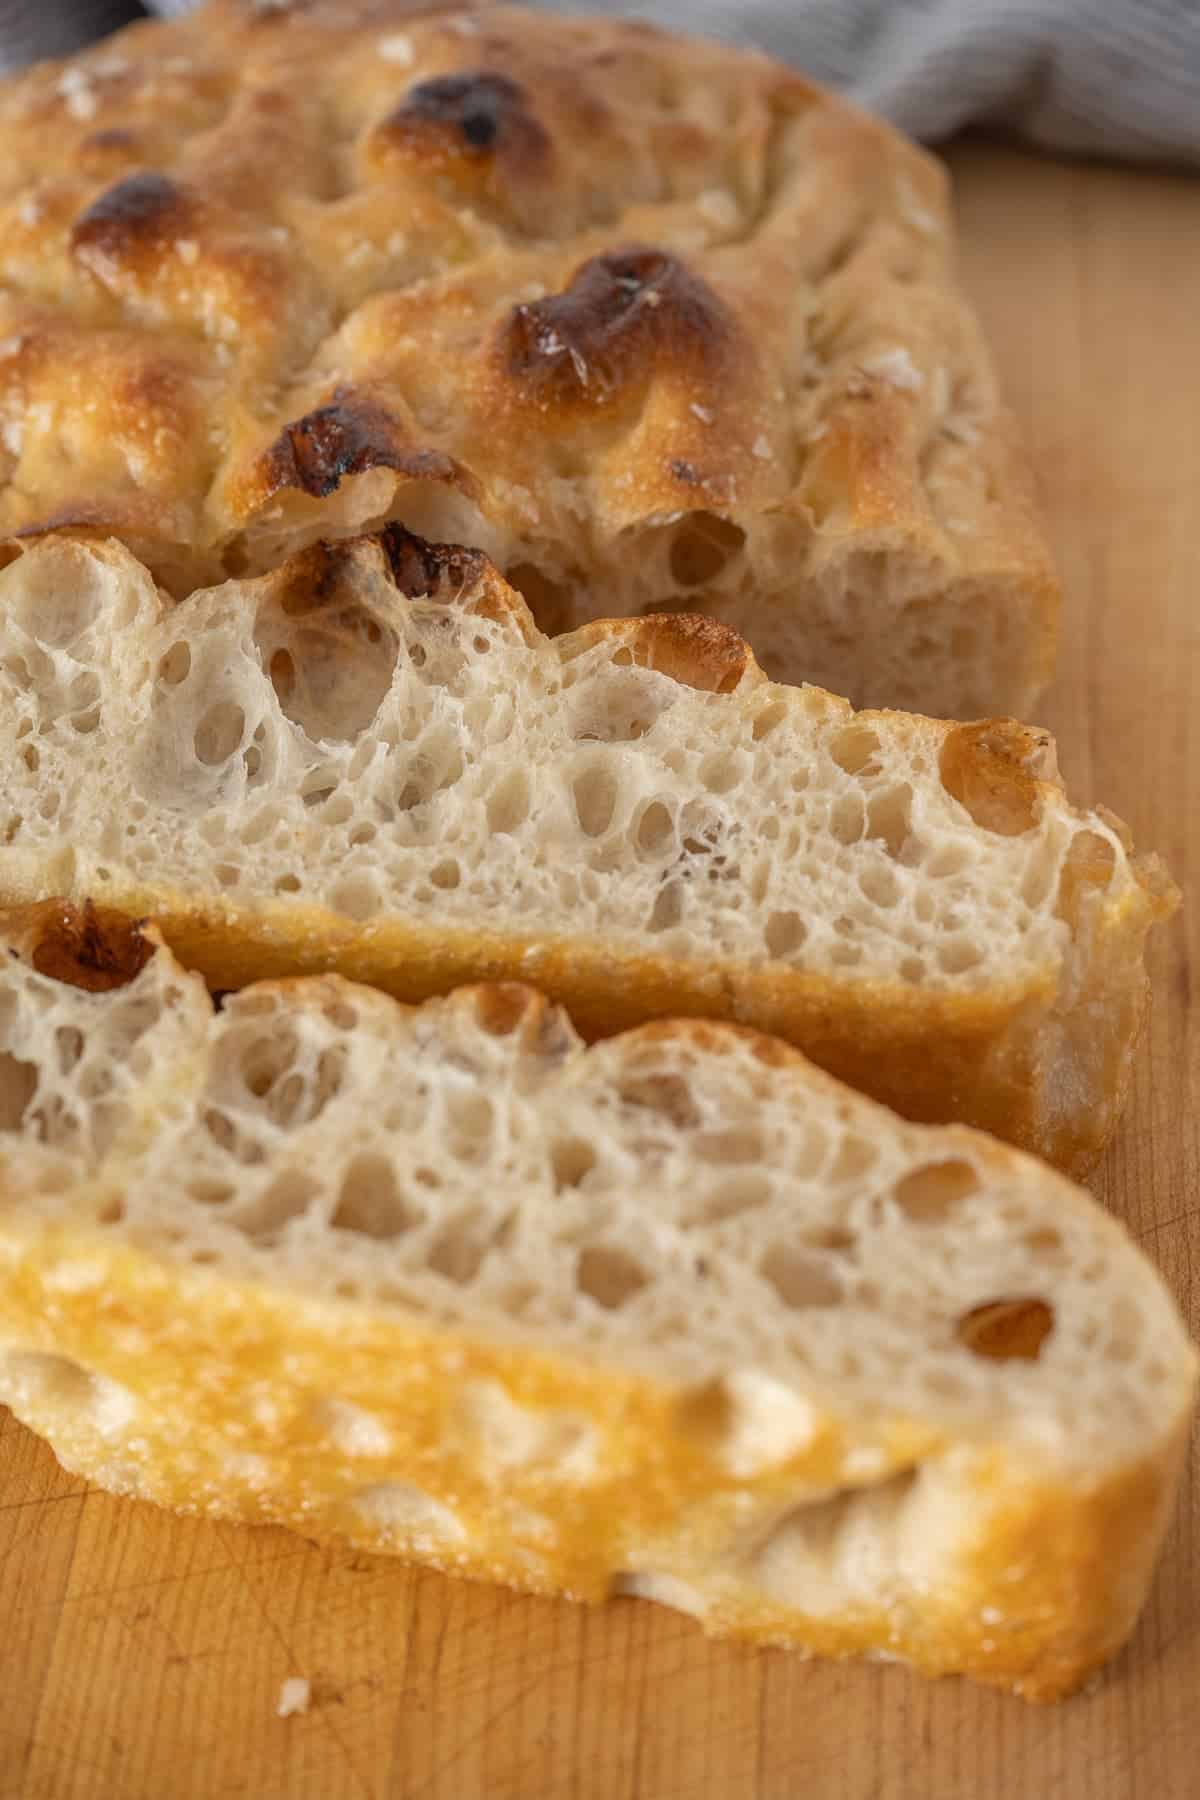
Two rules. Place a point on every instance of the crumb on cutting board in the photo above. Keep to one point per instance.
(294, 1696)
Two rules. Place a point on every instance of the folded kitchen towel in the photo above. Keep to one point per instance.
(1114, 77)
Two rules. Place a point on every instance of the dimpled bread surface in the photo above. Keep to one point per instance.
(657, 324)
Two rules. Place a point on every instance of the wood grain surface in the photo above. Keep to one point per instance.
(141, 1656)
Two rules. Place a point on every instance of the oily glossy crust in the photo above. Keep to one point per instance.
(273, 271)
(1072, 1558)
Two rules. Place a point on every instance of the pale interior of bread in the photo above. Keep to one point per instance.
(384, 757)
(693, 1202)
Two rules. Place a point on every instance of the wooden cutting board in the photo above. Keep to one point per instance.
(141, 1657)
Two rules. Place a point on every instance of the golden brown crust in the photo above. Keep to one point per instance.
(275, 272)
(1047, 1590)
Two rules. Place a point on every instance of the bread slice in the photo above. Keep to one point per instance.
(370, 760)
(657, 324)
(676, 1315)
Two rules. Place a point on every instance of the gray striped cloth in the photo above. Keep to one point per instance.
(1108, 77)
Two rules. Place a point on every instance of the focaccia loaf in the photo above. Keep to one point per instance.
(370, 760)
(676, 1315)
(659, 325)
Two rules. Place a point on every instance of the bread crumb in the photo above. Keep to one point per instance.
(295, 1696)
(76, 89)
(897, 368)
(396, 49)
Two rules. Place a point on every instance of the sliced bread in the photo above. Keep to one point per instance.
(675, 1316)
(370, 760)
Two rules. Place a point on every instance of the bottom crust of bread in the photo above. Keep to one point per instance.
(565, 1477)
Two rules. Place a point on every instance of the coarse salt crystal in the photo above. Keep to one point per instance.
(703, 413)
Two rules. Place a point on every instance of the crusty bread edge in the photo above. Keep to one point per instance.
(227, 1374)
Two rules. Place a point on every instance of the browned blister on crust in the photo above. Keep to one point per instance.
(658, 325)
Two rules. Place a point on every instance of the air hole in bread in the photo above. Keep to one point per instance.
(854, 749)
(571, 1161)
(287, 1197)
(445, 875)
(609, 1276)
(175, 665)
(85, 694)
(667, 910)
(983, 767)
(957, 955)
(219, 733)
(784, 933)
(618, 709)
(500, 1008)
(357, 896)
(702, 546)
(947, 861)
(595, 793)
(848, 819)
(470, 1121)
(735, 1194)
(68, 1046)
(720, 772)
(552, 603)
(854, 1158)
(889, 816)
(768, 719)
(209, 1191)
(661, 1092)
(823, 1554)
(654, 834)
(931, 1193)
(457, 1251)
(1007, 1330)
(878, 885)
(508, 802)
(370, 1201)
(736, 1144)
(800, 1280)
(18, 1085)
(1089, 863)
